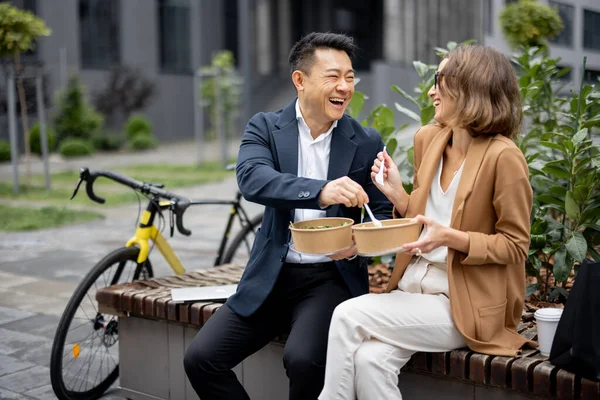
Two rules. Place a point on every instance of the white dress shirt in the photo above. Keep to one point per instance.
(313, 162)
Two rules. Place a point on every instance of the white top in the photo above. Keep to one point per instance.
(439, 208)
(313, 162)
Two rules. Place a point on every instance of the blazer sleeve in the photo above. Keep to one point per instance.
(418, 150)
(512, 201)
(261, 182)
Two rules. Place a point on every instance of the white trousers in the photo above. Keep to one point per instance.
(371, 337)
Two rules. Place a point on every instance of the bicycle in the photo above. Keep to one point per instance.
(72, 383)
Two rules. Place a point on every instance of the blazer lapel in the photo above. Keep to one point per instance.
(286, 140)
(430, 162)
(341, 155)
(474, 158)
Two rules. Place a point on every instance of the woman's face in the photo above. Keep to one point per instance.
(445, 106)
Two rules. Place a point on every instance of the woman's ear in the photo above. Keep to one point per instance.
(298, 80)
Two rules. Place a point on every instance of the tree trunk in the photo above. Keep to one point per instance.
(24, 118)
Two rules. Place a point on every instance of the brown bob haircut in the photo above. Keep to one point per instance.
(484, 85)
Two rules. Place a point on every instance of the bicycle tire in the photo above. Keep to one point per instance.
(245, 236)
(110, 329)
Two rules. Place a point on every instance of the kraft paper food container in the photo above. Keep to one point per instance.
(374, 241)
(319, 240)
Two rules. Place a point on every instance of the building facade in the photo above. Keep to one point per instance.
(168, 40)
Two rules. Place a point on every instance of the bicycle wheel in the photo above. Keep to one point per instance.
(238, 251)
(84, 359)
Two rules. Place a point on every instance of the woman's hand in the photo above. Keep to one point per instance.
(392, 181)
(437, 235)
(434, 237)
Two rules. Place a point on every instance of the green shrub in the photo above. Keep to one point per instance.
(4, 150)
(137, 124)
(76, 118)
(107, 141)
(75, 148)
(530, 23)
(34, 139)
(142, 141)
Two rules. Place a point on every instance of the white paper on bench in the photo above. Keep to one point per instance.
(202, 293)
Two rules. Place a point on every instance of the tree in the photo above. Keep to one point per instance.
(19, 29)
(530, 24)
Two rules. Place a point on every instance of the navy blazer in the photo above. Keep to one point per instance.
(267, 169)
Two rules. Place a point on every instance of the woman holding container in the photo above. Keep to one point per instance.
(462, 283)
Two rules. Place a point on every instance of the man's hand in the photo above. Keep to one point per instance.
(351, 252)
(343, 191)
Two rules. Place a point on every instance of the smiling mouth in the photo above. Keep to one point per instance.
(436, 103)
(337, 101)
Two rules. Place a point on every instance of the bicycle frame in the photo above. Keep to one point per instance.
(147, 230)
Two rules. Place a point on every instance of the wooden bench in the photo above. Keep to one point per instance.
(154, 333)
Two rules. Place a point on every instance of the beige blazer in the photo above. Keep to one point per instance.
(493, 204)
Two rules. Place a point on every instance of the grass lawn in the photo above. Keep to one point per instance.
(172, 176)
(29, 218)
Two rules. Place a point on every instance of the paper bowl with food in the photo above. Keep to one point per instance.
(372, 241)
(322, 235)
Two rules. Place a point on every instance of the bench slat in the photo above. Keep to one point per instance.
(567, 385)
(479, 368)
(544, 379)
(590, 390)
(500, 375)
(440, 363)
(459, 363)
(522, 373)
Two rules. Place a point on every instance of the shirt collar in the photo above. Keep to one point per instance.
(300, 119)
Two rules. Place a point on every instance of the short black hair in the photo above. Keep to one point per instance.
(302, 54)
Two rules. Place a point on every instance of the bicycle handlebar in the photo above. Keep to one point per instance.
(178, 203)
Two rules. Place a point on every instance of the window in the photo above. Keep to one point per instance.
(591, 30)
(174, 35)
(591, 77)
(99, 33)
(567, 14)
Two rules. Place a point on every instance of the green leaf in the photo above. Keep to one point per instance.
(391, 146)
(552, 145)
(580, 136)
(421, 68)
(577, 246)
(427, 114)
(548, 199)
(558, 191)
(561, 270)
(556, 171)
(407, 112)
(410, 155)
(356, 104)
(407, 96)
(531, 289)
(571, 207)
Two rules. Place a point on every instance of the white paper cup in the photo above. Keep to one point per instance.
(547, 321)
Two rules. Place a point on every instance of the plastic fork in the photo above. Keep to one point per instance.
(379, 176)
(375, 221)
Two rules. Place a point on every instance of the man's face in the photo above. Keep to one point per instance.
(328, 87)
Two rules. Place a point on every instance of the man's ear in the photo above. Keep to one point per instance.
(298, 80)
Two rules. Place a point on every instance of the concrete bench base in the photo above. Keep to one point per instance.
(151, 356)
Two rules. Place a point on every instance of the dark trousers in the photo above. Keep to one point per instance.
(301, 303)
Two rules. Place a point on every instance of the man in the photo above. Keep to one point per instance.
(306, 161)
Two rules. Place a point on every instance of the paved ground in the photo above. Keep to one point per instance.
(39, 270)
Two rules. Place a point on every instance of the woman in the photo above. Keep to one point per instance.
(462, 283)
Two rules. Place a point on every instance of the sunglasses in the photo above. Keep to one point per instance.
(436, 79)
